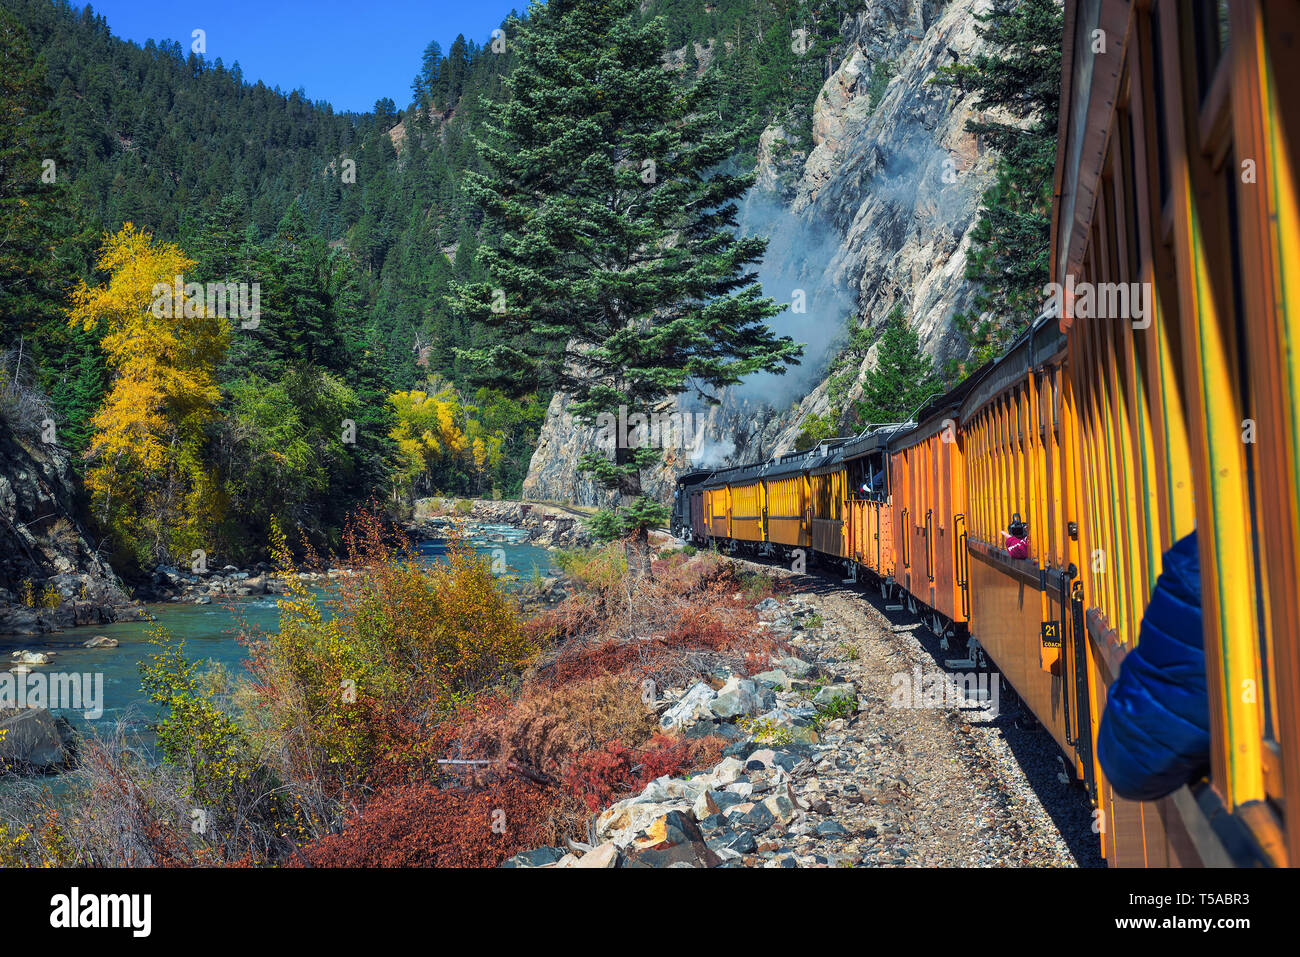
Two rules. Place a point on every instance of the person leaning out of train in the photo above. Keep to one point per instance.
(1155, 731)
(1016, 537)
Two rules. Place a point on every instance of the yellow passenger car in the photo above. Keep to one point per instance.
(1177, 178)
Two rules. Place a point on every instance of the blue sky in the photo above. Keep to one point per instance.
(349, 52)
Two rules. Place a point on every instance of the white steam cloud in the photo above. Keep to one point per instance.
(795, 271)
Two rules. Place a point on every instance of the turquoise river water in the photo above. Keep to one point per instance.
(210, 632)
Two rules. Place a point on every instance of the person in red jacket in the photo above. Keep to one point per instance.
(1016, 537)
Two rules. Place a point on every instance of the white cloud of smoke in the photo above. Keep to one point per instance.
(799, 253)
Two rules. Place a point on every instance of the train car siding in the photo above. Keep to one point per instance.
(1113, 438)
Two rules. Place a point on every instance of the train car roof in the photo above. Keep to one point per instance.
(719, 478)
(1041, 342)
(873, 438)
(831, 461)
(790, 463)
(694, 477)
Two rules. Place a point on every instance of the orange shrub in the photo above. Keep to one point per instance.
(601, 776)
(426, 826)
(360, 679)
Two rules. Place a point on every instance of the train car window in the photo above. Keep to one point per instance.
(1267, 698)
(1210, 27)
(942, 476)
(1055, 379)
(1130, 201)
(1158, 94)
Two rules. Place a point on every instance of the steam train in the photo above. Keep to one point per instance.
(1112, 436)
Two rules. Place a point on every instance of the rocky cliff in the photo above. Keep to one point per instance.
(877, 214)
(51, 576)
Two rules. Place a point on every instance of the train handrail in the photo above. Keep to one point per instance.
(929, 543)
(961, 563)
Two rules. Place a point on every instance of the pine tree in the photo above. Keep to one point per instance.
(43, 244)
(903, 378)
(619, 278)
(1010, 248)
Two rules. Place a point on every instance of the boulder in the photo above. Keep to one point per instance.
(691, 707)
(541, 857)
(773, 679)
(606, 855)
(100, 641)
(672, 840)
(712, 802)
(830, 828)
(667, 789)
(25, 657)
(740, 696)
(780, 806)
(725, 772)
(621, 822)
(706, 805)
(713, 728)
(752, 817)
(34, 741)
(794, 667)
(827, 695)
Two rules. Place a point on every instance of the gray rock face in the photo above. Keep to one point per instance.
(43, 542)
(877, 214)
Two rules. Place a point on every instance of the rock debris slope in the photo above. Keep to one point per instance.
(827, 768)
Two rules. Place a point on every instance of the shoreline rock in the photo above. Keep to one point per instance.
(547, 526)
(35, 741)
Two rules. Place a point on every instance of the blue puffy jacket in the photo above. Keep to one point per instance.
(1155, 731)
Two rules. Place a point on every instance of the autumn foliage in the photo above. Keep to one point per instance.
(444, 826)
(442, 440)
(601, 776)
(360, 680)
(409, 716)
(148, 481)
(577, 733)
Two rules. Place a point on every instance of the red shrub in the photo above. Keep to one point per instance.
(605, 775)
(423, 826)
(598, 778)
(664, 754)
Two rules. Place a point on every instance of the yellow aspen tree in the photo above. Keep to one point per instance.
(148, 480)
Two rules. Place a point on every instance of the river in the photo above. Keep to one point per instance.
(210, 632)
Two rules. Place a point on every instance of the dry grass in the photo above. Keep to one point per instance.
(545, 726)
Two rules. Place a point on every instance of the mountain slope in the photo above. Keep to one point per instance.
(876, 215)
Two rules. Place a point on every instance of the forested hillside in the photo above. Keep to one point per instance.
(355, 227)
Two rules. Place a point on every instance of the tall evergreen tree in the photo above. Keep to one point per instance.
(42, 244)
(1020, 73)
(903, 378)
(619, 277)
